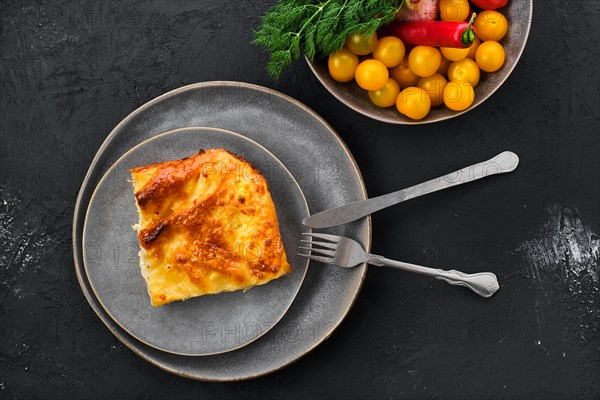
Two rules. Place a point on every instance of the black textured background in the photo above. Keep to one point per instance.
(72, 69)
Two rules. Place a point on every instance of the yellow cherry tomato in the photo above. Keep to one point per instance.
(454, 10)
(414, 102)
(443, 69)
(386, 96)
(458, 95)
(464, 70)
(490, 56)
(403, 75)
(361, 44)
(371, 75)
(424, 60)
(490, 25)
(455, 53)
(434, 86)
(473, 48)
(390, 51)
(342, 65)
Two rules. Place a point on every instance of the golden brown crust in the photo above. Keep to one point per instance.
(208, 220)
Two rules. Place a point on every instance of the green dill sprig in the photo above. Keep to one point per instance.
(313, 27)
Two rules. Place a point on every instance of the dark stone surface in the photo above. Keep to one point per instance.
(72, 69)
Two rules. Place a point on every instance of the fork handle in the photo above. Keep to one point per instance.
(484, 284)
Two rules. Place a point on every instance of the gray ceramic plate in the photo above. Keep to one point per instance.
(324, 170)
(110, 248)
(519, 15)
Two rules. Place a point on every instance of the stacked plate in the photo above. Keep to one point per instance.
(229, 336)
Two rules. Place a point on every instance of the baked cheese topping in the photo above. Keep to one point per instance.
(207, 224)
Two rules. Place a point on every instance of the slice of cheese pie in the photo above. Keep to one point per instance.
(207, 224)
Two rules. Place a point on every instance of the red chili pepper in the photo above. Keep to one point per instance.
(432, 33)
(490, 4)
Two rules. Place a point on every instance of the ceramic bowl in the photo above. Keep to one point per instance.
(519, 14)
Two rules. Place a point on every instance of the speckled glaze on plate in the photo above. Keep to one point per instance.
(519, 15)
(110, 247)
(324, 170)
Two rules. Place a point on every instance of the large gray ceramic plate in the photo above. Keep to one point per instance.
(112, 265)
(324, 170)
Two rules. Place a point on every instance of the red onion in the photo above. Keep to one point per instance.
(418, 10)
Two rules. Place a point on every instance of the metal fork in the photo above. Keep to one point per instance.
(347, 253)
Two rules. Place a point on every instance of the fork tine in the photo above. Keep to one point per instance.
(325, 260)
(322, 244)
(325, 236)
(319, 251)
